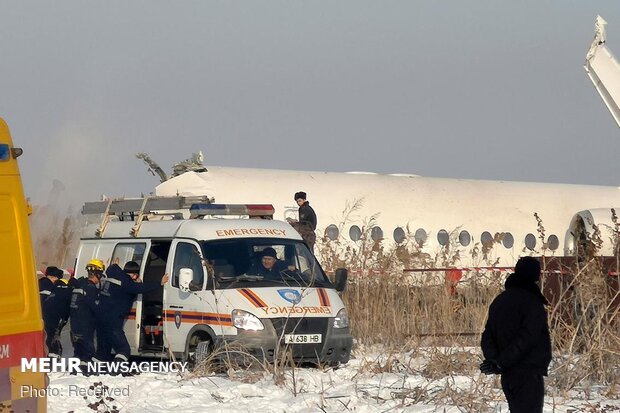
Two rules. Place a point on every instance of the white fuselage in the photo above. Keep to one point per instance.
(412, 202)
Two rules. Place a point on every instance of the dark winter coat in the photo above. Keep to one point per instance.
(275, 271)
(118, 292)
(46, 288)
(55, 298)
(62, 297)
(516, 334)
(307, 216)
(84, 304)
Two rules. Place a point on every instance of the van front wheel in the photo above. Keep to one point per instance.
(198, 349)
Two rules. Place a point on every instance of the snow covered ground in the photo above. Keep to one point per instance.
(423, 380)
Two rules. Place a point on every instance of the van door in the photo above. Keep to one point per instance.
(125, 252)
(152, 319)
(183, 310)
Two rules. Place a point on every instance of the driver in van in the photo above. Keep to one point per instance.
(270, 265)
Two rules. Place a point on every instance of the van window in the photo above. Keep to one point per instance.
(187, 256)
(239, 262)
(126, 252)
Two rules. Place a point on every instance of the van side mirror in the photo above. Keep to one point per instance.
(341, 279)
(186, 275)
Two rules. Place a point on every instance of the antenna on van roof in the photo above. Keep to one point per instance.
(136, 209)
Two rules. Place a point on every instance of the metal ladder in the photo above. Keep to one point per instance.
(137, 209)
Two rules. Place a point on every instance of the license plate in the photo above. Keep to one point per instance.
(302, 338)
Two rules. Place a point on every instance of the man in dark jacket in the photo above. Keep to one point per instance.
(270, 265)
(46, 284)
(62, 297)
(84, 305)
(307, 220)
(54, 305)
(516, 342)
(118, 292)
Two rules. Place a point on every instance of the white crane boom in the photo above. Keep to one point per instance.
(604, 70)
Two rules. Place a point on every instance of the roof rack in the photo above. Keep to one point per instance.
(138, 208)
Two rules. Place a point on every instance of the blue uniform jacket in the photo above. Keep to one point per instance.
(46, 288)
(118, 292)
(84, 303)
(62, 298)
(54, 300)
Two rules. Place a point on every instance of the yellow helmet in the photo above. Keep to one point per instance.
(95, 265)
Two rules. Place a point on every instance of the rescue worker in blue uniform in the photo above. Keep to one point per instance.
(54, 306)
(84, 305)
(62, 299)
(118, 292)
(46, 284)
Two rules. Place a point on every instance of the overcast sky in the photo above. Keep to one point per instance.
(468, 89)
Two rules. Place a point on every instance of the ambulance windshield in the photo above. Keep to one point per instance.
(262, 261)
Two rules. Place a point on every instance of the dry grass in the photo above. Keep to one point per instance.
(406, 311)
(396, 308)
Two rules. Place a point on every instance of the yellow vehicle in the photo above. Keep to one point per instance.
(21, 326)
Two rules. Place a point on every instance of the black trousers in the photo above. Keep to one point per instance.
(112, 337)
(83, 339)
(52, 333)
(524, 390)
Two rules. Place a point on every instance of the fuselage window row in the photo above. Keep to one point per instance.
(332, 232)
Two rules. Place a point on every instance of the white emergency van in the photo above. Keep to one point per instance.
(219, 291)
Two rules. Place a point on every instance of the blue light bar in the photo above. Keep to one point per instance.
(5, 152)
(257, 210)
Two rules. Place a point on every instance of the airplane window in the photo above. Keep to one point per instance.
(399, 235)
(420, 236)
(355, 233)
(332, 232)
(553, 242)
(508, 240)
(486, 238)
(376, 233)
(464, 238)
(443, 237)
(530, 241)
